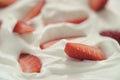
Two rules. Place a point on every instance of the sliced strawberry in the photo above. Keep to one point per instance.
(5, 3)
(73, 21)
(98, 5)
(82, 52)
(35, 11)
(50, 43)
(22, 28)
(29, 63)
(77, 21)
(112, 34)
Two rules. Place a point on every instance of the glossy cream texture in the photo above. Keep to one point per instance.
(56, 65)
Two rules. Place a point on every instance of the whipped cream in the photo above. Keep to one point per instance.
(56, 65)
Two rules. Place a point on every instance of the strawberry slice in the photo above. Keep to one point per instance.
(5, 3)
(50, 43)
(73, 21)
(77, 21)
(22, 28)
(35, 11)
(29, 63)
(82, 52)
(98, 5)
(112, 34)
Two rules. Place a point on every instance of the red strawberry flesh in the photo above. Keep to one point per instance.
(50, 43)
(98, 5)
(35, 11)
(5, 3)
(73, 21)
(22, 28)
(77, 21)
(29, 63)
(112, 34)
(84, 52)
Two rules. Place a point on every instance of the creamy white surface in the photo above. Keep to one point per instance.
(56, 65)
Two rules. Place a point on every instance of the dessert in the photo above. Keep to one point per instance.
(60, 39)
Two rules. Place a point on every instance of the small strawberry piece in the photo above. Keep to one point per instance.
(77, 21)
(22, 28)
(73, 21)
(5, 3)
(50, 43)
(112, 34)
(82, 52)
(29, 63)
(98, 5)
(35, 11)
